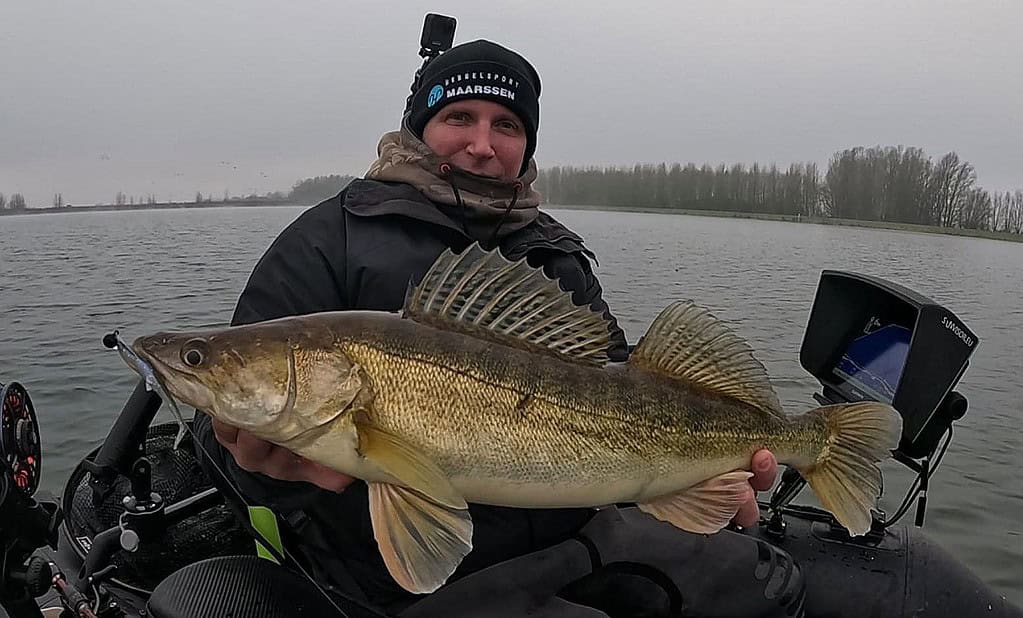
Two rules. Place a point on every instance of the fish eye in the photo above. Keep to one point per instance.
(194, 352)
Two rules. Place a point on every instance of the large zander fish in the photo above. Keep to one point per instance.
(491, 386)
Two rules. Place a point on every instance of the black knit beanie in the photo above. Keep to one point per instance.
(479, 70)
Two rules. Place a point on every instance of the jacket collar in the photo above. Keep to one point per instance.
(374, 198)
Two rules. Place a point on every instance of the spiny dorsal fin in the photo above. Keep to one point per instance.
(688, 343)
(482, 294)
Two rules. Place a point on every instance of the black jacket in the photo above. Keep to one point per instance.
(359, 250)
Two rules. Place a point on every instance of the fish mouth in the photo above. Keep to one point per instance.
(141, 350)
(184, 386)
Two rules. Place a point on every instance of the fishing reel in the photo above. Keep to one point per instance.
(29, 523)
(20, 447)
(25, 524)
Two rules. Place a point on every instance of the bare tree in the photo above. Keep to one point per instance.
(811, 195)
(951, 181)
(906, 186)
(17, 202)
(998, 212)
(1014, 213)
(975, 213)
(3, 201)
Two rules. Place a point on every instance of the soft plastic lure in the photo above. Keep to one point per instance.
(148, 374)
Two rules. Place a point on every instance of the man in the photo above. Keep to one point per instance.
(459, 170)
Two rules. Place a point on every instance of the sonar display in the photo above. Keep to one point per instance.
(872, 364)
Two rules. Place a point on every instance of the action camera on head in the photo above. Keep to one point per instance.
(438, 35)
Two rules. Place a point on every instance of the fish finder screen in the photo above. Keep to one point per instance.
(872, 364)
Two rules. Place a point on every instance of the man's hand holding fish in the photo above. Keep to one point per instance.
(256, 455)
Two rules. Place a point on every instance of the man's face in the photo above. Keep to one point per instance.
(479, 136)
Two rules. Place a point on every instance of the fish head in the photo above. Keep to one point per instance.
(244, 377)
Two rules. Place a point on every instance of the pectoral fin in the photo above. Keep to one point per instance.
(705, 508)
(422, 542)
(407, 464)
(421, 524)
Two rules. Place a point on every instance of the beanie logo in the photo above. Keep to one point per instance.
(436, 94)
(496, 91)
(470, 83)
(480, 76)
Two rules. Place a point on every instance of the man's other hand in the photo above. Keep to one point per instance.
(765, 469)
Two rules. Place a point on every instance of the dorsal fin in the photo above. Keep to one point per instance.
(688, 343)
(483, 294)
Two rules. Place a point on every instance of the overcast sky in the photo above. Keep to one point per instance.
(176, 97)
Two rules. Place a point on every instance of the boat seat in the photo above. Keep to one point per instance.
(237, 587)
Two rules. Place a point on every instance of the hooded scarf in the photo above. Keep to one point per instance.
(486, 208)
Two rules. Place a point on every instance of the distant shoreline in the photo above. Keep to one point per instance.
(240, 203)
(887, 225)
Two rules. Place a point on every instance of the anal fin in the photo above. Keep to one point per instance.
(705, 508)
(421, 541)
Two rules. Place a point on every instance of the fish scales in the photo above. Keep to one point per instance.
(501, 415)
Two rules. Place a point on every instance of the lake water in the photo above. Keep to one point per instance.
(67, 279)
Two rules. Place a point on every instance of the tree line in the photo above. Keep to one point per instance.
(307, 191)
(889, 184)
(315, 190)
(15, 202)
(304, 192)
(894, 184)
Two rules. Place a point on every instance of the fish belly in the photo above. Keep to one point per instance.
(582, 490)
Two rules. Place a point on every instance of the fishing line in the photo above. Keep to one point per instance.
(153, 383)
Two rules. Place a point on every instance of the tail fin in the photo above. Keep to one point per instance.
(845, 476)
